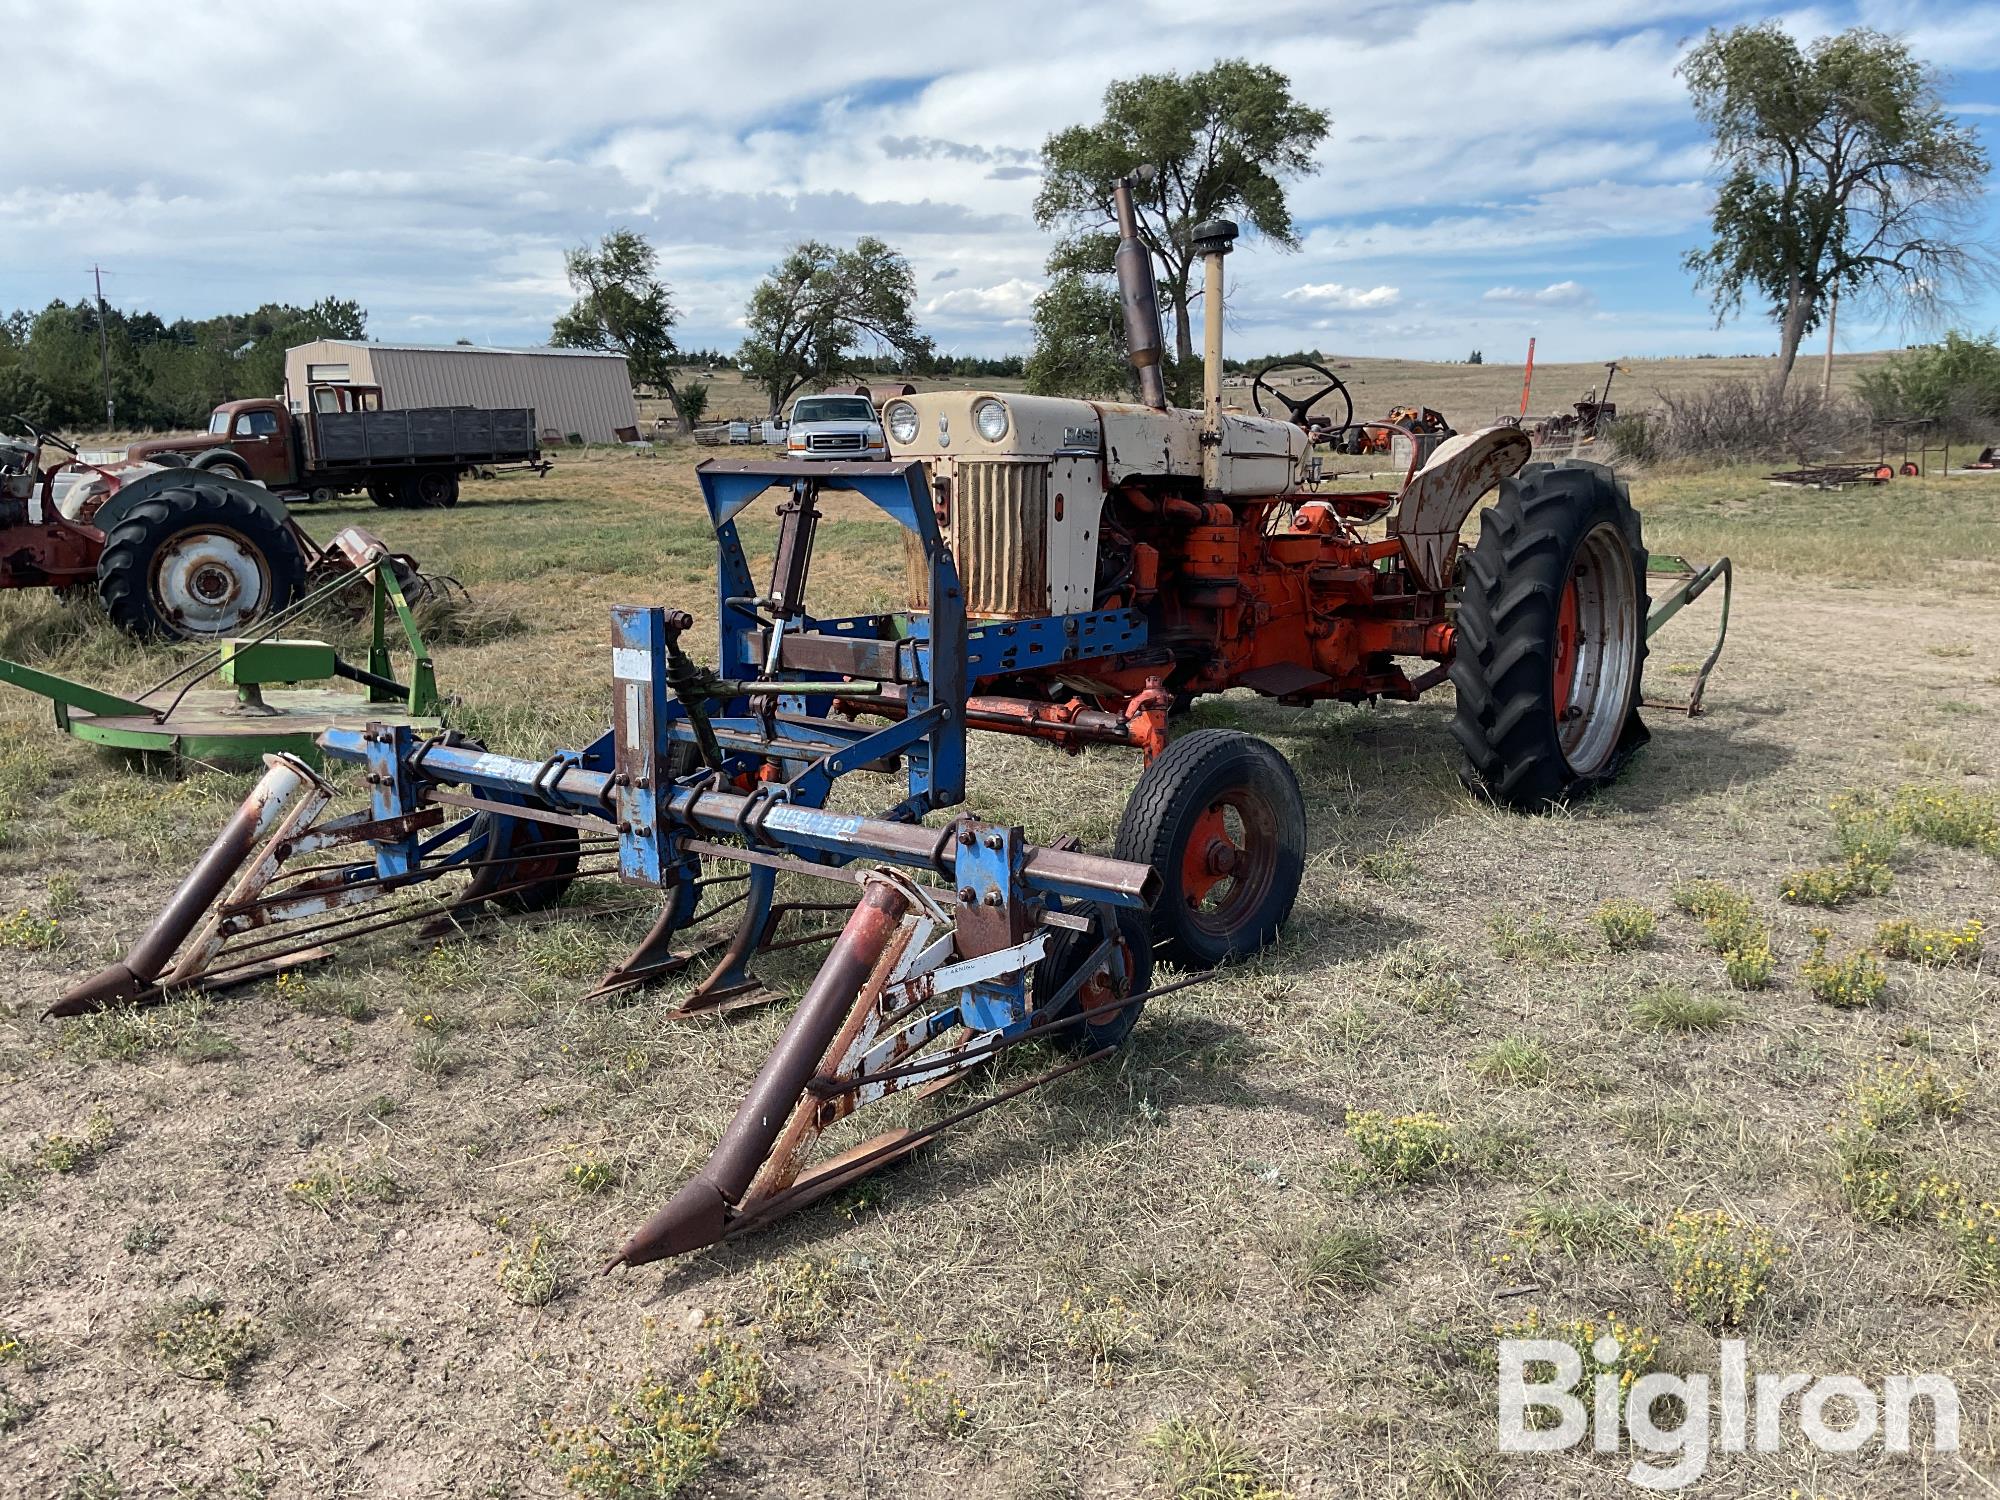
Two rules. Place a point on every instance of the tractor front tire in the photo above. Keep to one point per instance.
(1551, 637)
(1220, 816)
(197, 561)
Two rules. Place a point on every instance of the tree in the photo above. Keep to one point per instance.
(1224, 141)
(623, 307)
(1079, 339)
(1475, 358)
(809, 318)
(1955, 384)
(1845, 176)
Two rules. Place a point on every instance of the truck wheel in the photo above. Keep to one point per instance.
(235, 468)
(197, 560)
(387, 493)
(1551, 637)
(1126, 970)
(322, 494)
(1220, 816)
(434, 489)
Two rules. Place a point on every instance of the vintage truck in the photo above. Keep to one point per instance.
(343, 441)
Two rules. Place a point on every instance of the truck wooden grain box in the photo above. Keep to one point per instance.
(343, 442)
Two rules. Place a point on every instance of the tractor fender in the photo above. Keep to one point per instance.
(147, 485)
(1434, 505)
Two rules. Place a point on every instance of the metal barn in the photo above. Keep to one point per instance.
(572, 390)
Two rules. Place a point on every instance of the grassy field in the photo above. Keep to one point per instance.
(338, 1237)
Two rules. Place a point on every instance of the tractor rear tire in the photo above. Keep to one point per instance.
(1551, 637)
(197, 561)
(1220, 816)
(1068, 951)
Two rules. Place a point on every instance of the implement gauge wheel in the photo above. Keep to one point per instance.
(1126, 970)
(1220, 816)
(1551, 637)
(533, 869)
(197, 561)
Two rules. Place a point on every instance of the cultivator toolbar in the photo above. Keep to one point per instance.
(926, 979)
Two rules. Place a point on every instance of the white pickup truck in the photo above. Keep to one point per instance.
(835, 427)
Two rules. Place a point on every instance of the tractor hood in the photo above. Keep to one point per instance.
(1259, 457)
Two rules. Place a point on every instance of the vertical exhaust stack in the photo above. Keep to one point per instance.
(1136, 295)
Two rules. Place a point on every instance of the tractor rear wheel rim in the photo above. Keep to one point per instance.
(1229, 860)
(1596, 645)
(210, 582)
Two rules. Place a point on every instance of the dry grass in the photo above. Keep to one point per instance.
(1166, 1273)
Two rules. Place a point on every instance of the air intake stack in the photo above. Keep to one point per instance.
(1212, 241)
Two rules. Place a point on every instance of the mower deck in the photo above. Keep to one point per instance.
(211, 725)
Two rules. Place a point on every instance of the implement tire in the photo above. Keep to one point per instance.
(197, 561)
(1551, 637)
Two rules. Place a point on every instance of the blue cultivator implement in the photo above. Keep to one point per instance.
(966, 940)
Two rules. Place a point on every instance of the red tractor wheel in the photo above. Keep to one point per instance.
(1551, 637)
(1884, 472)
(1220, 816)
(1911, 471)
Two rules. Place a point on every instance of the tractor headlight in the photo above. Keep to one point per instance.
(902, 421)
(990, 417)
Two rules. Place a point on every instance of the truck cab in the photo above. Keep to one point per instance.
(252, 439)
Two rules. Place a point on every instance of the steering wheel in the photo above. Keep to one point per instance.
(40, 436)
(1299, 410)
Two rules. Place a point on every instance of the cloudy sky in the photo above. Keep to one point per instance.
(1497, 168)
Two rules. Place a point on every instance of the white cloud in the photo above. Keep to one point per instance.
(1331, 294)
(1511, 144)
(1011, 303)
(1556, 294)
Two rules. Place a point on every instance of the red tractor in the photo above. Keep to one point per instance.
(1197, 549)
(170, 552)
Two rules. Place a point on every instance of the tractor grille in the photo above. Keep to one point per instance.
(834, 442)
(999, 536)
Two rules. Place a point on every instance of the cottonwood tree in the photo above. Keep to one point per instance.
(623, 307)
(1079, 337)
(1224, 142)
(811, 317)
(1844, 176)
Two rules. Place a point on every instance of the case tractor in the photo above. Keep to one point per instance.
(1078, 570)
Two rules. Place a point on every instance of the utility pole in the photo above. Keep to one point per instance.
(1826, 372)
(104, 349)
